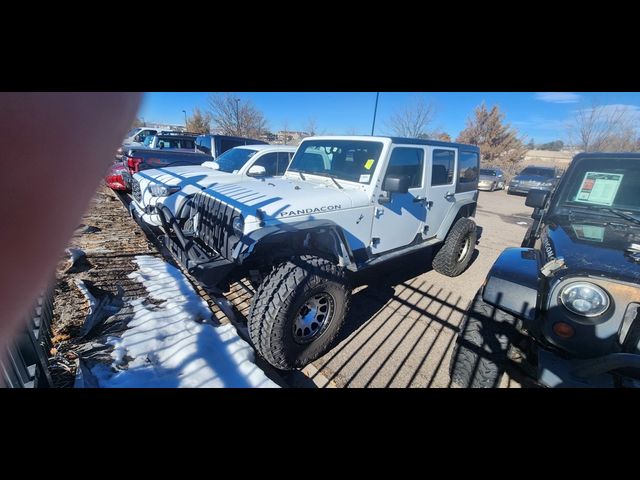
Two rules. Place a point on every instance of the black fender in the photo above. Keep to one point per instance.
(318, 236)
(513, 282)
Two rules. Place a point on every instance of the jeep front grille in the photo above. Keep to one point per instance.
(215, 224)
(135, 190)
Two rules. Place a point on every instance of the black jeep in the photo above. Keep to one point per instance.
(563, 308)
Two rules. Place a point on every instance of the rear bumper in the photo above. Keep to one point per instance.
(554, 371)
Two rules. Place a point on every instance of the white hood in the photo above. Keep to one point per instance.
(185, 175)
(286, 198)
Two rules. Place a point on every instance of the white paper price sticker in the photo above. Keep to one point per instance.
(599, 188)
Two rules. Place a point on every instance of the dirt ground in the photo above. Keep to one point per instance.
(399, 333)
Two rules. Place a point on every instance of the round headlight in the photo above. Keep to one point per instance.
(238, 225)
(584, 299)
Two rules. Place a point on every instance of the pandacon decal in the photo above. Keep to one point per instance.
(309, 211)
(546, 244)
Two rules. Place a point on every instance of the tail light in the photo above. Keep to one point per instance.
(133, 163)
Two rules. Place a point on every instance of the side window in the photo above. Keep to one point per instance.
(442, 167)
(270, 163)
(407, 161)
(468, 169)
(204, 144)
(226, 144)
(283, 162)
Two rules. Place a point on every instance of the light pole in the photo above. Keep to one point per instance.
(238, 116)
(375, 110)
(185, 119)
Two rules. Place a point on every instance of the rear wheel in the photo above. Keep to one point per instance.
(455, 255)
(481, 353)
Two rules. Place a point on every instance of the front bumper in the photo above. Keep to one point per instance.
(487, 185)
(554, 371)
(525, 188)
(138, 214)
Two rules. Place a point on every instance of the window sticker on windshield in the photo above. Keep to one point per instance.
(599, 188)
(364, 178)
(595, 233)
(369, 164)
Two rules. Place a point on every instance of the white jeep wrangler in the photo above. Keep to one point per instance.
(343, 205)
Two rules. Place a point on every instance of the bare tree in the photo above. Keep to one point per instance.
(234, 116)
(604, 128)
(285, 131)
(499, 142)
(199, 122)
(413, 121)
(311, 127)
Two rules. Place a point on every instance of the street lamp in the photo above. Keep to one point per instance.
(238, 116)
(375, 110)
(185, 119)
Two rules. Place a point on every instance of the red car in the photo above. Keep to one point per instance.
(114, 178)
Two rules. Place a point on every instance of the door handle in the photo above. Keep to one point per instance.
(449, 195)
(423, 201)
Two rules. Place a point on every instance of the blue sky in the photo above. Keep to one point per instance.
(538, 115)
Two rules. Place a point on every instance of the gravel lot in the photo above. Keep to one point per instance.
(401, 326)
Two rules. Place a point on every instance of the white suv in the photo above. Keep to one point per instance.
(171, 186)
(343, 205)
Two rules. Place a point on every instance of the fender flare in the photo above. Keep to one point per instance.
(316, 235)
(513, 282)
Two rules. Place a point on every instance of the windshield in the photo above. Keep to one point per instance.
(602, 184)
(352, 160)
(233, 160)
(484, 171)
(542, 172)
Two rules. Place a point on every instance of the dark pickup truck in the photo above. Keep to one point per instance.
(137, 160)
(208, 147)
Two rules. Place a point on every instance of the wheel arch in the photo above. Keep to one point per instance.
(322, 238)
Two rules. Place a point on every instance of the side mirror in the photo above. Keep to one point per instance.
(537, 198)
(257, 171)
(211, 165)
(396, 183)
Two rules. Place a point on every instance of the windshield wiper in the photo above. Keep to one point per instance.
(332, 176)
(621, 214)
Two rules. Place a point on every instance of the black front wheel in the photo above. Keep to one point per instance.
(480, 355)
(298, 311)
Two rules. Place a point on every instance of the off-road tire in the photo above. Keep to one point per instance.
(278, 299)
(447, 261)
(480, 355)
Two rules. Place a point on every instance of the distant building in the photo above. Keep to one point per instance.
(290, 136)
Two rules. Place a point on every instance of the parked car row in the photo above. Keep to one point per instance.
(298, 222)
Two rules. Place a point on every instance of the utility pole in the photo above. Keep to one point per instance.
(238, 116)
(375, 111)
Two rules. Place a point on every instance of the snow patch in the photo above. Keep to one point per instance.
(93, 302)
(167, 346)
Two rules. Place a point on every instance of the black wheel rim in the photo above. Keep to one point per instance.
(313, 317)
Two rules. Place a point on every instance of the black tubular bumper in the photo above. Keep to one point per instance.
(210, 270)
